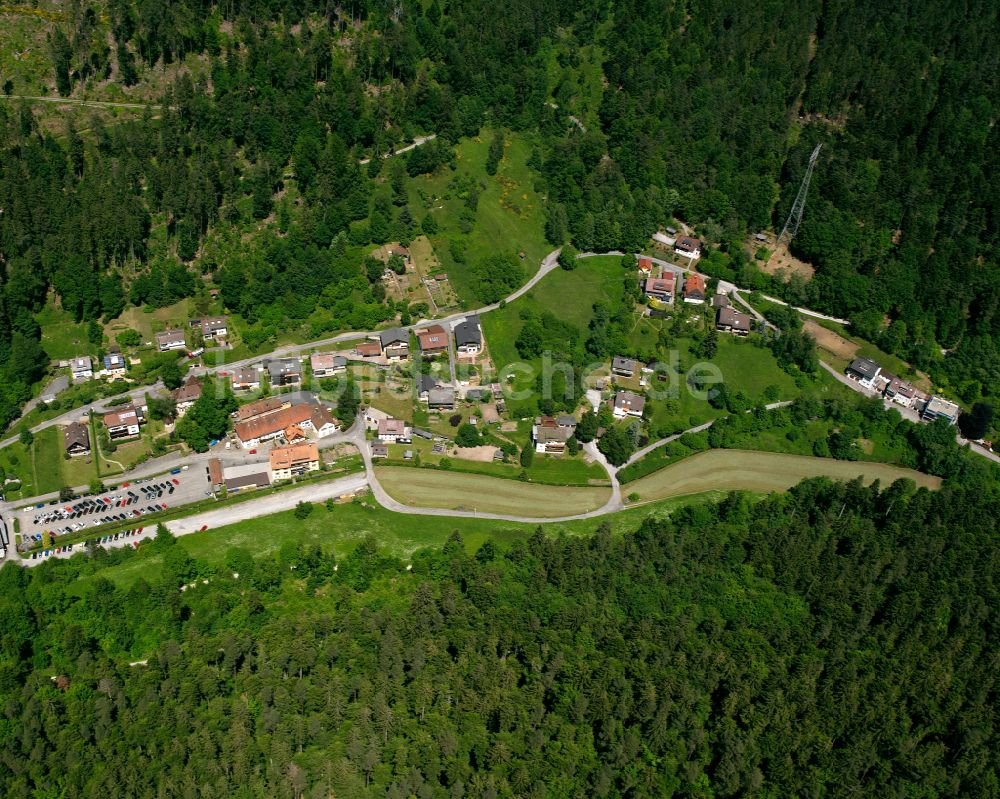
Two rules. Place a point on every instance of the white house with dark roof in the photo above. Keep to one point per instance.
(628, 404)
(623, 367)
(81, 368)
(395, 343)
(865, 371)
(469, 336)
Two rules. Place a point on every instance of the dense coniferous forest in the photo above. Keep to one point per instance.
(708, 113)
(836, 641)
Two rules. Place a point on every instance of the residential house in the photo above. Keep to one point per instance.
(114, 364)
(170, 340)
(940, 408)
(728, 320)
(694, 289)
(645, 267)
(433, 340)
(368, 349)
(469, 336)
(425, 434)
(123, 422)
(246, 379)
(289, 462)
(400, 250)
(688, 247)
(720, 301)
(395, 344)
(325, 365)
(81, 368)
(187, 395)
(550, 436)
(661, 288)
(260, 407)
(901, 392)
(76, 439)
(865, 371)
(441, 398)
(425, 384)
(284, 371)
(323, 422)
(477, 394)
(628, 404)
(380, 449)
(623, 367)
(393, 431)
(214, 327)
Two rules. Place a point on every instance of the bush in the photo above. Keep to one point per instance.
(468, 436)
(303, 509)
(455, 420)
(528, 455)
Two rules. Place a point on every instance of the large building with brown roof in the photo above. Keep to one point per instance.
(288, 462)
(694, 289)
(264, 427)
(259, 408)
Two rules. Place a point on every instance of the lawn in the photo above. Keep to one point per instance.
(440, 489)
(16, 462)
(760, 472)
(400, 534)
(136, 318)
(509, 217)
(47, 452)
(62, 337)
(594, 279)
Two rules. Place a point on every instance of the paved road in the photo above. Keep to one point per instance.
(908, 413)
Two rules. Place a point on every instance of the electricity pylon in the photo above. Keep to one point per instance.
(795, 216)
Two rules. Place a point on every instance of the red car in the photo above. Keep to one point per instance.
(204, 527)
(253, 452)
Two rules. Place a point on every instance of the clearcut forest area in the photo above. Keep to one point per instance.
(791, 588)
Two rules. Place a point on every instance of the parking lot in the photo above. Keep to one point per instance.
(132, 502)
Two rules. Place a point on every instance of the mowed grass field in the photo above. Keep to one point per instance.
(427, 488)
(761, 472)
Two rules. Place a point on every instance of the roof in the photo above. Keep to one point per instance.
(214, 323)
(113, 360)
(939, 406)
(320, 416)
(286, 457)
(392, 427)
(566, 421)
(246, 374)
(694, 283)
(83, 362)
(215, 471)
(720, 301)
(645, 264)
(865, 367)
(728, 317)
(324, 360)
(126, 415)
(394, 335)
(169, 335)
(425, 383)
(278, 367)
(76, 434)
(626, 400)
(901, 387)
(687, 243)
(660, 284)
(445, 395)
(189, 392)
(369, 348)
(272, 423)
(548, 429)
(258, 479)
(261, 406)
(625, 364)
(398, 249)
(433, 338)
(379, 448)
(468, 332)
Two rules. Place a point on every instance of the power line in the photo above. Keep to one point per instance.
(799, 206)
